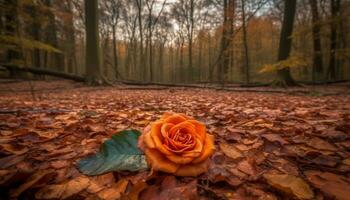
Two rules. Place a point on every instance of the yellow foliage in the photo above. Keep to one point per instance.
(291, 62)
(27, 43)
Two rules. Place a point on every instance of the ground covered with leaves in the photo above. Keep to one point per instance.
(268, 145)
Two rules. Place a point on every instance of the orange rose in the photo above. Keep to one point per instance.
(177, 144)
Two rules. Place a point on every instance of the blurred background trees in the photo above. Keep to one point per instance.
(178, 41)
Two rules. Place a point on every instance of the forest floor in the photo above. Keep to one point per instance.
(269, 145)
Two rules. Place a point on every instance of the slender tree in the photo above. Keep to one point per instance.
(70, 35)
(140, 25)
(245, 43)
(152, 22)
(92, 56)
(335, 8)
(52, 38)
(284, 76)
(11, 27)
(317, 67)
(226, 39)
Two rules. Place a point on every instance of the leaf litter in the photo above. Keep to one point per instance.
(269, 146)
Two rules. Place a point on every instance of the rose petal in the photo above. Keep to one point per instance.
(193, 170)
(166, 115)
(196, 151)
(148, 140)
(179, 159)
(200, 129)
(159, 162)
(208, 149)
(165, 129)
(177, 147)
(175, 119)
(158, 138)
(199, 146)
(190, 128)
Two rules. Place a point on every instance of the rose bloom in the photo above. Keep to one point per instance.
(177, 144)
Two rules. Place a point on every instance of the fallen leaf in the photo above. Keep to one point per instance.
(275, 138)
(346, 161)
(136, 190)
(335, 186)
(230, 151)
(31, 181)
(119, 153)
(115, 191)
(290, 184)
(64, 190)
(186, 191)
(248, 167)
(320, 144)
(11, 160)
(58, 164)
(14, 148)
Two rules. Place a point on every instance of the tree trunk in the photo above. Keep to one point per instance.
(115, 53)
(317, 67)
(182, 67)
(226, 40)
(335, 7)
(70, 34)
(200, 57)
(105, 57)
(160, 62)
(150, 46)
(142, 66)
(2, 27)
(245, 44)
(190, 42)
(35, 31)
(52, 38)
(93, 59)
(284, 76)
(11, 28)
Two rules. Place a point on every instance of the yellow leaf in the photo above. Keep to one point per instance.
(291, 62)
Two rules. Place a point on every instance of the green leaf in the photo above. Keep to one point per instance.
(119, 153)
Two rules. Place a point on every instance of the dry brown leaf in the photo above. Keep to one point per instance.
(333, 185)
(58, 164)
(64, 190)
(320, 144)
(275, 138)
(31, 181)
(346, 161)
(136, 190)
(247, 166)
(14, 148)
(11, 160)
(230, 151)
(186, 191)
(115, 191)
(290, 185)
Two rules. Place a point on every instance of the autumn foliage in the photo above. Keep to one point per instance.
(292, 144)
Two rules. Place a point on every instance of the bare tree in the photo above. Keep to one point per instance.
(332, 68)
(93, 59)
(284, 76)
(317, 54)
